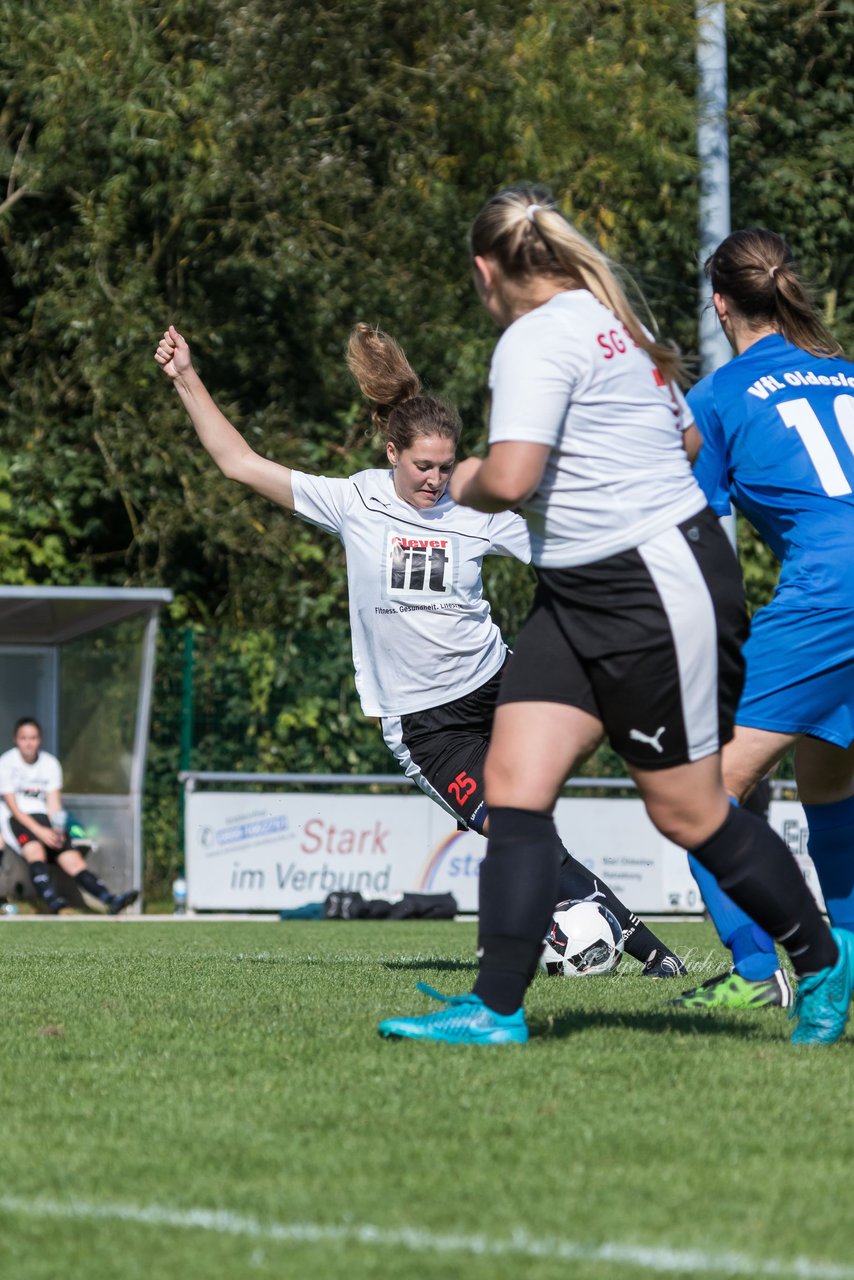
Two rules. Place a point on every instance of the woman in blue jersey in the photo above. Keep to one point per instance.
(777, 427)
(428, 656)
(635, 629)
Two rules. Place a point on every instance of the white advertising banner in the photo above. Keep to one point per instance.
(262, 852)
(265, 852)
(613, 837)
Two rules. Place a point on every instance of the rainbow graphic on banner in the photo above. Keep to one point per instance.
(454, 867)
(436, 860)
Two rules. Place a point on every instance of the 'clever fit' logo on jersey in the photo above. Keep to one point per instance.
(418, 566)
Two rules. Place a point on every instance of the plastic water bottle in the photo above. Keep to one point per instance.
(59, 820)
(8, 908)
(179, 896)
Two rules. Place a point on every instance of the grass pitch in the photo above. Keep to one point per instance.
(211, 1100)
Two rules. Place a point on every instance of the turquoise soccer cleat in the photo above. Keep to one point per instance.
(823, 1000)
(466, 1020)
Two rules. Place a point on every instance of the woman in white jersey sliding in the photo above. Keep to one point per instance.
(636, 627)
(427, 654)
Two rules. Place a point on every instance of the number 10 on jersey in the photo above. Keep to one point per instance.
(802, 416)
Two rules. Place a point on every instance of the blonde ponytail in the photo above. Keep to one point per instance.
(525, 232)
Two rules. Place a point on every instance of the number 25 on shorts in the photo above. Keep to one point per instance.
(462, 788)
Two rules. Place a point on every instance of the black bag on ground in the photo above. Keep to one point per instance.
(413, 906)
(424, 906)
(344, 906)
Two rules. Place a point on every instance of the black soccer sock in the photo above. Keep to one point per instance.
(42, 883)
(517, 894)
(92, 885)
(750, 861)
(578, 882)
(640, 941)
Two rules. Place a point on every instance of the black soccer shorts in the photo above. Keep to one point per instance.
(648, 641)
(443, 749)
(23, 835)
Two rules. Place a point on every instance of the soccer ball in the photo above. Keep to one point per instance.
(584, 939)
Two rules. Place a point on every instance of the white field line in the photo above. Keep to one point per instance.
(661, 1260)
(252, 917)
(697, 961)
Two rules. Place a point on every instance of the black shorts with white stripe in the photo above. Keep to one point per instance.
(649, 641)
(443, 749)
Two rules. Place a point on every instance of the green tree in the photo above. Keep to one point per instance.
(263, 178)
(792, 141)
(265, 175)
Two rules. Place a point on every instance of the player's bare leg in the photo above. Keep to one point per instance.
(751, 863)
(824, 772)
(750, 756)
(534, 747)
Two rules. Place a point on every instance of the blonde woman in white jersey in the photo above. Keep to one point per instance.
(637, 624)
(428, 656)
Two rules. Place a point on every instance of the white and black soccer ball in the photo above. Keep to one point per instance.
(584, 939)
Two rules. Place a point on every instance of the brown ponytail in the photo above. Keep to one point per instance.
(386, 378)
(755, 271)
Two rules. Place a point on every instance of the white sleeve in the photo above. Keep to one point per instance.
(321, 500)
(684, 416)
(509, 536)
(6, 783)
(535, 368)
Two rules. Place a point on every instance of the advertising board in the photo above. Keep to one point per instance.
(273, 850)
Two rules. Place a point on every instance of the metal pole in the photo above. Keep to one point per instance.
(713, 152)
(140, 745)
(186, 749)
(187, 701)
(714, 211)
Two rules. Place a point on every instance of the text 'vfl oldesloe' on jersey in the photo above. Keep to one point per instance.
(778, 438)
(422, 632)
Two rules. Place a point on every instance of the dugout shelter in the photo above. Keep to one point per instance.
(81, 661)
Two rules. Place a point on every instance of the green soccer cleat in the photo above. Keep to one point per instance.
(824, 998)
(731, 991)
(466, 1020)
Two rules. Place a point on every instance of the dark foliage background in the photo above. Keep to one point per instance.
(264, 175)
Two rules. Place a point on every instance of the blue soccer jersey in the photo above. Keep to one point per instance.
(778, 439)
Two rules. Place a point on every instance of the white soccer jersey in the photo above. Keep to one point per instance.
(422, 632)
(29, 783)
(568, 375)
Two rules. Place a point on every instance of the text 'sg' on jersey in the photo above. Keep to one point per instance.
(422, 632)
(778, 438)
(568, 375)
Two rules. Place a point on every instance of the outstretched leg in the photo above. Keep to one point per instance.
(756, 978)
(689, 805)
(578, 882)
(534, 748)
